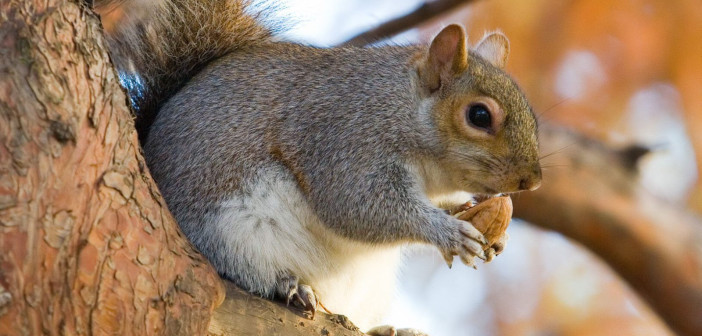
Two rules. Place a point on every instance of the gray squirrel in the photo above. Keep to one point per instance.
(300, 172)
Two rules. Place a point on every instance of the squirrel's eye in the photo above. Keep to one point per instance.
(479, 116)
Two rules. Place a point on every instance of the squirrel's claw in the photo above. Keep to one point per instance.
(448, 257)
(468, 261)
(499, 246)
(306, 299)
(300, 295)
(490, 253)
(471, 243)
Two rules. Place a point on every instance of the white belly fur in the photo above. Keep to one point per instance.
(274, 229)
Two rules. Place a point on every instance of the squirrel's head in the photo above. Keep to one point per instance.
(487, 128)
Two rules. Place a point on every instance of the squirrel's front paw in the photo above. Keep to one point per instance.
(467, 243)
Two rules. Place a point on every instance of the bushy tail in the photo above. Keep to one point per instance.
(158, 45)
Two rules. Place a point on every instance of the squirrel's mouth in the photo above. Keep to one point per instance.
(485, 191)
(475, 200)
(479, 198)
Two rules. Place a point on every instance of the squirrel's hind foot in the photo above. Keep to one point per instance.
(299, 295)
(387, 330)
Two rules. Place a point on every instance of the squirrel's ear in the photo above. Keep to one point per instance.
(447, 57)
(494, 48)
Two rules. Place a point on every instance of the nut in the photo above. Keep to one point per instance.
(491, 217)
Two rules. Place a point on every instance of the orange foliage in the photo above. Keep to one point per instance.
(622, 47)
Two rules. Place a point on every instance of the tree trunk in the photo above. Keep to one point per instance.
(88, 246)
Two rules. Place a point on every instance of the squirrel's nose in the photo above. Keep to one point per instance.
(531, 182)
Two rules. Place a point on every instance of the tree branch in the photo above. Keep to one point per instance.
(424, 13)
(653, 245)
(246, 314)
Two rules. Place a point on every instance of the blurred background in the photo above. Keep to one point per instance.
(621, 72)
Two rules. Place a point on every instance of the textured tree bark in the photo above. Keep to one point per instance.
(590, 194)
(88, 246)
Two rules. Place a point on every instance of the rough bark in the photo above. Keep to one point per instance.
(88, 246)
(590, 194)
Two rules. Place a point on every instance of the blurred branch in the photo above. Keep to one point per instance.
(655, 246)
(422, 14)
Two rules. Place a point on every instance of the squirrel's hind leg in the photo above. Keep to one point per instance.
(260, 239)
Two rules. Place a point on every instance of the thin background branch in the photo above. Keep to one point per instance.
(424, 13)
